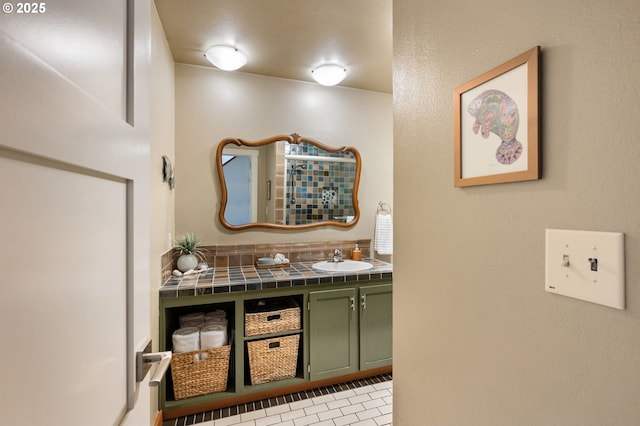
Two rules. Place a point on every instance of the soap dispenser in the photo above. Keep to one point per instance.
(356, 254)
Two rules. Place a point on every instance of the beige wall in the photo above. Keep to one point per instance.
(477, 340)
(212, 105)
(162, 130)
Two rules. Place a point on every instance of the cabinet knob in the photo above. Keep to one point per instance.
(363, 301)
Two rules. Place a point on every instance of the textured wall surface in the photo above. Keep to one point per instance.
(477, 340)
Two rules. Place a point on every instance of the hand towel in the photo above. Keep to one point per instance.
(383, 243)
(213, 336)
(186, 339)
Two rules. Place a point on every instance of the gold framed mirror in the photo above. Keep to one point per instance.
(287, 182)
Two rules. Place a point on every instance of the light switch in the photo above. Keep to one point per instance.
(586, 265)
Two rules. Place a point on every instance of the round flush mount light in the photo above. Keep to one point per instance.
(329, 74)
(226, 58)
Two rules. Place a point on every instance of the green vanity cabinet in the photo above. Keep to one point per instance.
(345, 330)
(350, 330)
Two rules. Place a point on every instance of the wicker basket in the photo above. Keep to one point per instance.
(273, 359)
(276, 315)
(200, 372)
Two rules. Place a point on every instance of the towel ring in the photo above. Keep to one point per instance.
(381, 207)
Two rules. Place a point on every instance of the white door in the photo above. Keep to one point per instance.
(241, 177)
(74, 211)
(237, 173)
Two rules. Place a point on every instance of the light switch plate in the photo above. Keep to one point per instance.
(586, 265)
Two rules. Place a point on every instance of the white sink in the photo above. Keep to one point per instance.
(344, 266)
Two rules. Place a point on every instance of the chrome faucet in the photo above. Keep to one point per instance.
(337, 255)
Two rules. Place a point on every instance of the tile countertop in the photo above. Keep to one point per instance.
(249, 278)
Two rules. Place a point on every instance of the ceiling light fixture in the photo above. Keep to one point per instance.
(226, 58)
(329, 74)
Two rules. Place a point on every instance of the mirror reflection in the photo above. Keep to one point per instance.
(287, 182)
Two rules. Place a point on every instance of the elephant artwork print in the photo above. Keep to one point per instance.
(496, 124)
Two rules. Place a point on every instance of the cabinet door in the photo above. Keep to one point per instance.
(333, 333)
(376, 326)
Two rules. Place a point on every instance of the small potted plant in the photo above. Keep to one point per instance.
(190, 252)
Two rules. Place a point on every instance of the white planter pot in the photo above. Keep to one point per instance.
(186, 262)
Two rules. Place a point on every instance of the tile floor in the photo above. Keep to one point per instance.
(365, 402)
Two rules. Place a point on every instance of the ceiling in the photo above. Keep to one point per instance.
(287, 38)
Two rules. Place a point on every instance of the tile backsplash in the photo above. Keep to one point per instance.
(225, 255)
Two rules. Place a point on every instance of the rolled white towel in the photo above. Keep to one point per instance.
(188, 320)
(213, 336)
(215, 321)
(186, 339)
(218, 313)
(192, 323)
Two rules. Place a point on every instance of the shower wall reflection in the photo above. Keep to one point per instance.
(319, 191)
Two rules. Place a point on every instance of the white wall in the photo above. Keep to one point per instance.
(477, 340)
(212, 105)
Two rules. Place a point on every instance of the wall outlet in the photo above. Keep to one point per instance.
(586, 265)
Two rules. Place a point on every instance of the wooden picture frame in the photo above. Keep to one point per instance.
(496, 117)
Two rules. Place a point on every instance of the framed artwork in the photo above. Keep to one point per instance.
(496, 124)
